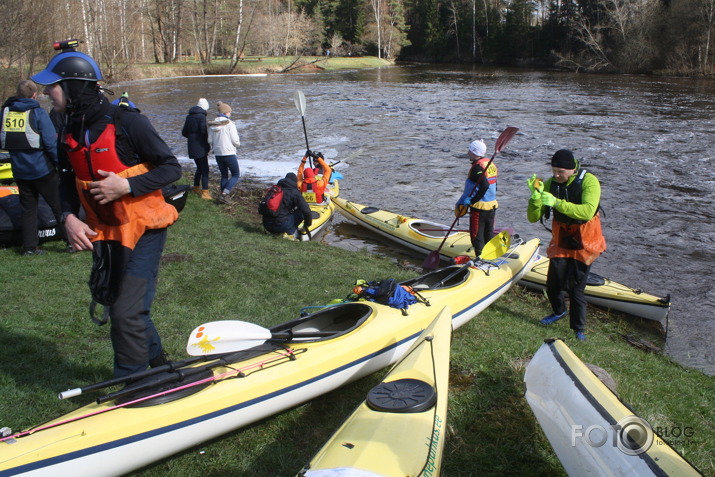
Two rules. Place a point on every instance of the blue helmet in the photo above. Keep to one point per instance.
(68, 65)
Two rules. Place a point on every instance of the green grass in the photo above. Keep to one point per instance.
(250, 65)
(219, 264)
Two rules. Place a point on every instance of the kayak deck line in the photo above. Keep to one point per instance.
(233, 372)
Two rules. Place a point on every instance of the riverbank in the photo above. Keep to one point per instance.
(218, 264)
(248, 65)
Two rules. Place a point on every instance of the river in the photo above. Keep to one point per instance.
(402, 133)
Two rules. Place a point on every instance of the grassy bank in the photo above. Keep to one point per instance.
(248, 65)
(219, 264)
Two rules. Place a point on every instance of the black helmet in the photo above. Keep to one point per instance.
(68, 65)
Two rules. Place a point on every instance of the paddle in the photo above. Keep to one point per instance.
(497, 246)
(299, 99)
(218, 337)
(169, 367)
(432, 260)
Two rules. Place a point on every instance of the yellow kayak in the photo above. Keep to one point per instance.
(400, 429)
(322, 212)
(6, 173)
(592, 432)
(170, 411)
(424, 236)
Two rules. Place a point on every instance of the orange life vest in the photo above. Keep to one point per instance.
(583, 242)
(313, 189)
(127, 218)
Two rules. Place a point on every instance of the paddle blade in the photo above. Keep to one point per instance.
(497, 246)
(299, 99)
(504, 138)
(227, 336)
(431, 261)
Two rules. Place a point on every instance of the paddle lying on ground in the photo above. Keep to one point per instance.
(218, 337)
(299, 99)
(432, 260)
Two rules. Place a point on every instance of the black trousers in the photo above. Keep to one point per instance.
(481, 228)
(30, 191)
(568, 276)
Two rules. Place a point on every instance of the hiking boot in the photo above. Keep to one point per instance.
(205, 194)
(552, 318)
(32, 251)
(160, 360)
(581, 336)
(196, 190)
(223, 199)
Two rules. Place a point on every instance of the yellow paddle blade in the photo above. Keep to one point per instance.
(497, 246)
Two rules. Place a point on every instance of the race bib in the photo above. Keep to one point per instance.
(15, 121)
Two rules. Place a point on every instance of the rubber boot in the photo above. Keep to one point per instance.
(205, 194)
(196, 190)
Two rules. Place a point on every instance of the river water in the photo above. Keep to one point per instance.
(402, 133)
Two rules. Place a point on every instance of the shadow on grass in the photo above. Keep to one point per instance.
(37, 370)
(497, 434)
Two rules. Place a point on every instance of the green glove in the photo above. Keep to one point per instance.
(548, 199)
(535, 186)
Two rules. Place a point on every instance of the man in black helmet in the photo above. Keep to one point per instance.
(114, 165)
(572, 196)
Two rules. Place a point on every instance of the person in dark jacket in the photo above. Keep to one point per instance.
(292, 211)
(113, 163)
(196, 133)
(30, 137)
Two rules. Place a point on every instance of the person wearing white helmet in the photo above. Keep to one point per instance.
(479, 197)
(114, 165)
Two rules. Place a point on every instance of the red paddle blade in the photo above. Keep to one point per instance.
(504, 138)
(432, 261)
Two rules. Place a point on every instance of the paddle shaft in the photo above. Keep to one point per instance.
(300, 104)
(169, 367)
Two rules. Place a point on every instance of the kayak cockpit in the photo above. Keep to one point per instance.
(446, 277)
(431, 229)
(325, 324)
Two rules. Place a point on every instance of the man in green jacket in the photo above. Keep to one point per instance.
(573, 196)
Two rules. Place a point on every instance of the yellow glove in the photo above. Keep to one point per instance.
(460, 210)
(536, 186)
(548, 199)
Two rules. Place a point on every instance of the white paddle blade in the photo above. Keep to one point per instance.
(497, 246)
(227, 336)
(299, 99)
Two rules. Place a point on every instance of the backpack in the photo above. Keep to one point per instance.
(271, 201)
(388, 292)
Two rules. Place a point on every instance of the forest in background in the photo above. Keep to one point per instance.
(608, 36)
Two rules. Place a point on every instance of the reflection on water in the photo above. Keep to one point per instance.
(402, 135)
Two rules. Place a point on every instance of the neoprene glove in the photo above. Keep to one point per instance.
(548, 199)
(536, 186)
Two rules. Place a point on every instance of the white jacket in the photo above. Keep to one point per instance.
(223, 136)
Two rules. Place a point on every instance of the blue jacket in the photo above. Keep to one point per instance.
(31, 164)
(196, 132)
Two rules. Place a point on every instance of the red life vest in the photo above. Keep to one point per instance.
(127, 218)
